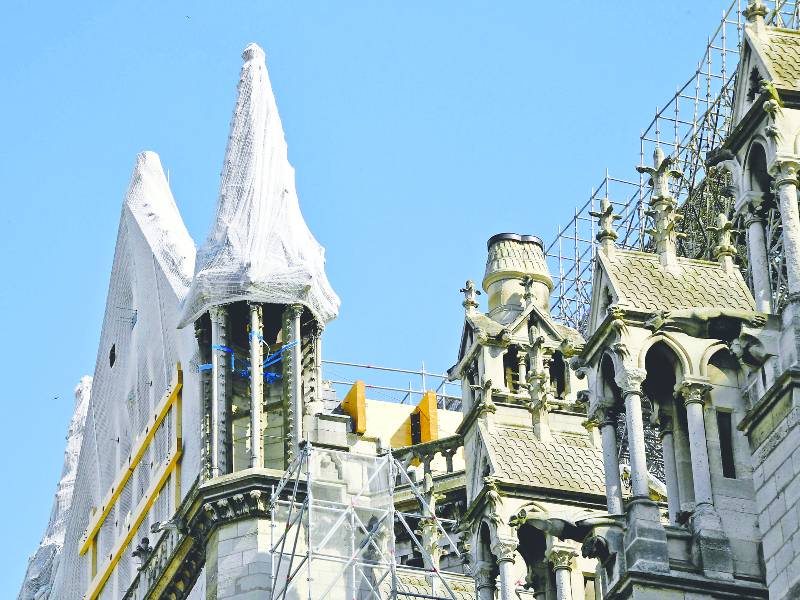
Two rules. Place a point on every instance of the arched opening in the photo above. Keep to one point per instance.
(532, 547)
(511, 368)
(558, 375)
(757, 175)
(759, 182)
(667, 461)
(730, 454)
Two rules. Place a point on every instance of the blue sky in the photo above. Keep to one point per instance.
(417, 129)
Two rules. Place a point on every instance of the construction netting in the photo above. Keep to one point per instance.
(335, 530)
(260, 248)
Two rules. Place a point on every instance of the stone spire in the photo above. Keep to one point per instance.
(259, 248)
(663, 208)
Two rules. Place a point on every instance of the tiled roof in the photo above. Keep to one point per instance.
(518, 455)
(643, 283)
(482, 321)
(412, 582)
(782, 49)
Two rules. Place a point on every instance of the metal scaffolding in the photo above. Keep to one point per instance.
(333, 532)
(695, 120)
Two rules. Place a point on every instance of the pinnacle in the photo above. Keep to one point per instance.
(253, 52)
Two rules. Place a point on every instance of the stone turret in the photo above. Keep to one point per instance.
(516, 273)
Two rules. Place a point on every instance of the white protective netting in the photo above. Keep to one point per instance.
(44, 563)
(260, 248)
(152, 268)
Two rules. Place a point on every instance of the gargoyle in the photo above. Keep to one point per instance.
(707, 323)
(595, 546)
(750, 350)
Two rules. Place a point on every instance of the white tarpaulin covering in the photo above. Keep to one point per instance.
(44, 563)
(259, 248)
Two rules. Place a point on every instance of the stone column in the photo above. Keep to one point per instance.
(484, 580)
(710, 542)
(670, 468)
(562, 560)
(604, 417)
(630, 382)
(694, 395)
(219, 380)
(504, 550)
(293, 375)
(786, 187)
(522, 359)
(757, 254)
(256, 386)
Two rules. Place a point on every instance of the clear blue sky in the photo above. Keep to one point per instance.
(417, 130)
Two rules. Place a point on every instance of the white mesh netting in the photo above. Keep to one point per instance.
(43, 564)
(260, 247)
(152, 268)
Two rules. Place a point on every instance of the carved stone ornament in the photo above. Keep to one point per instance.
(630, 380)
(562, 558)
(785, 173)
(504, 549)
(756, 9)
(486, 405)
(493, 501)
(693, 392)
(660, 174)
(595, 546)
(470, 293)
(724, 230)
(600, 416)
(606, 218)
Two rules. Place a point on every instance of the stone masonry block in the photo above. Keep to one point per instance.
(789, 523)
(237, 544)
(784, 475)
(232, 561)
(226, 532)
(777, 509)
(256, 581)
(783, 558)
(764, 522)
(766, 494)
(793, 492)
(772, 541)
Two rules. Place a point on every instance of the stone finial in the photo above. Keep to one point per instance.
(663, 207)
(755, 11)
(660, 174)
(527, 285)
(470, 293)
(606, 217)
(724, 251)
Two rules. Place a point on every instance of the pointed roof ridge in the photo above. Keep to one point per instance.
(152, 206)
(259, 247)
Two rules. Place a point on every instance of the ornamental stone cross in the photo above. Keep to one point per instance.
(660, 174)
(606, 218)
(724, 230)
(470, 293)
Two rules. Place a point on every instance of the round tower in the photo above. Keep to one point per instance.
(513, 259)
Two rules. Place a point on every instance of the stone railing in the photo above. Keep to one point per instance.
(427, 454)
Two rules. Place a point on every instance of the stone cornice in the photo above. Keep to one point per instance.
(687, 582)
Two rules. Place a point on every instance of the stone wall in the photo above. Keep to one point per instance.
(238, 561)
(777, 482)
